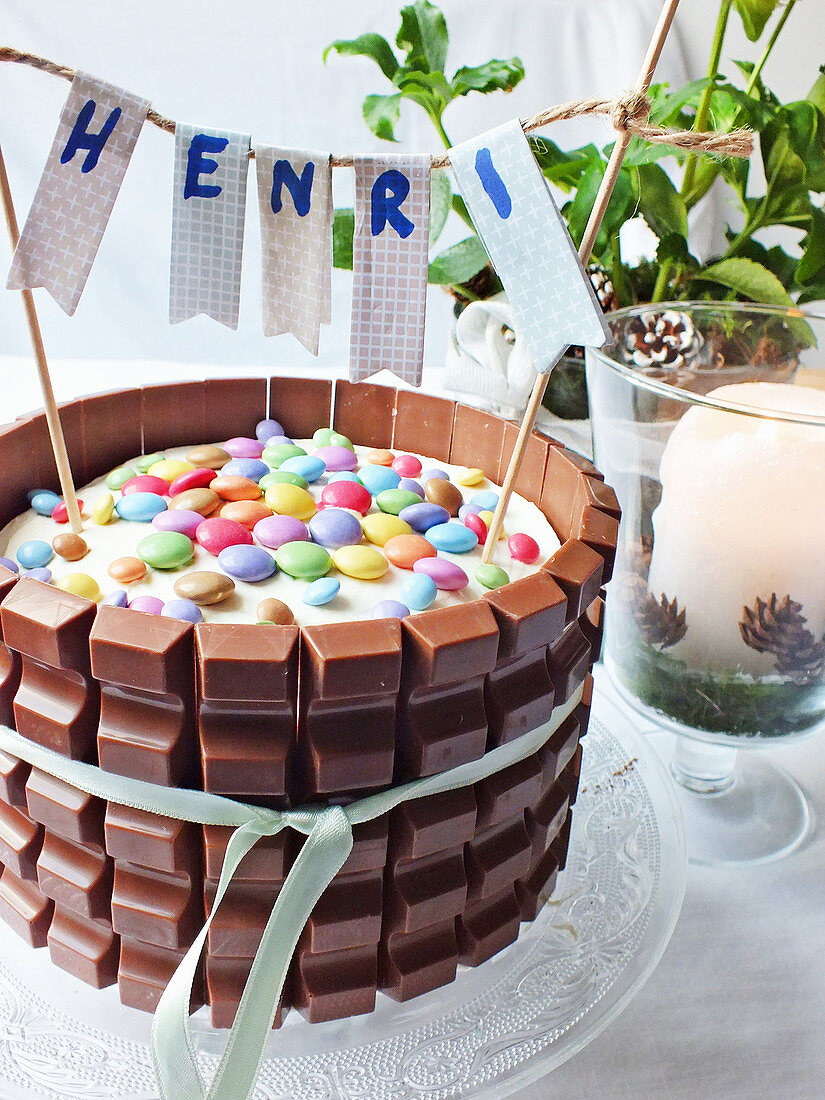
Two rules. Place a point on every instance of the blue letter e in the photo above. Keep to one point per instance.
(80, 138)
(199, 165)
(388, 192)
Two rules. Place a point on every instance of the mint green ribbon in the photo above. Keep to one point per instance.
(329, 842)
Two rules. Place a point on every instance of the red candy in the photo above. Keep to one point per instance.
(407, 466)
(217, 533)
(60, 515)
(145, 483)
(192, 479)
(476, 525)
(347, 494)
(523, 547)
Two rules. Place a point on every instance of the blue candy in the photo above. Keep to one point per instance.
(182, 609)
(452, 538)
(251, 468)
(275, 439)
(118, 598)
(378, 478)
(389, 609)
(44, 501)
(418, 591)
(486, 500)
(265, 429)
(247, 563)
(470, 509)
(343, 475)
(308, 467)
(42, 574)
(334, 527)
(9, 564)
(434, 472)
(321, 591)
(140, 507)
(34, 554)
(421, 517)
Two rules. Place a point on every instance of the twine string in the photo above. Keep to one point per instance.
(627, 114)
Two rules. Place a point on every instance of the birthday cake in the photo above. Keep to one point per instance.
(317, 625)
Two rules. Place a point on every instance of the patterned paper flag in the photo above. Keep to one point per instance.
(208, 210)
(389, 294)
(85, 168)
(295, 204)
(527, 240)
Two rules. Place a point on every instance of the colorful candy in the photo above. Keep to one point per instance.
(379, 527)
(69, 546)
(60, 513)
(306, 561)
(491, 576)
(80, 584)
(487, 517)
(337, 458)
(140, 507)
(282, 477)
(149, 605)
(34, 554)
(217, 533)
(145, 483)
(422, 516)
(322, 591)
(166, 550)
(178, 519)
(246, 512)
(418, 591)
(187, 610)
(103, 509)
(118, 598)
(203, 501)
(395, 501)
(389, 609)
(235, 487)
(209, 456)
(448, 576)
(309, 467)
(43, 501)
(405, 550)
(364, 563)
(347, 494)
(289, 500)
(523, 547)
(7, 563)
(244, 447)
(252, 468)
(127, 570)
(43, 574)
(145, 461)
(477, 525)
(169, 469)
(407, 465)
(265, 428)
(204, 587)
(452, 538)
(275, 611)
(334, 527)
(274, 456)
(381, 458)
(274, 531)
(118, 478)
(247, 563)
(471, 476)
(378, 478)
(486, 499)
(199, 478)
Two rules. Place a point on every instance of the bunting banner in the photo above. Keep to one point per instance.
(527, 240)
(88, 159)
(389, 294)
(208, 211)
(296, 212)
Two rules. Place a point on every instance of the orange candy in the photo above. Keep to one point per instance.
(246, 512)
(381, 458)
(235, 488)
(405, 550)
(127, 570)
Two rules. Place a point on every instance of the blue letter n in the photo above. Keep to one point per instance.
(80, 138)
(300, 187)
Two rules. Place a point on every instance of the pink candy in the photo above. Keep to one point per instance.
(60, 515)
(200, 478)
(178, 519)
(407, 466)
(145, 483)
(337, 459)
(244, 447)
(217, 533)
(274, 531)
(477, 525)
(448, 576)
(523, 547)
(347, 494)
(149, 605)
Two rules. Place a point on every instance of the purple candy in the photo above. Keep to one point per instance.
(421, 517)
(178, 519)
(337, 458)
(434, 472)
(252, 468)
(389, 609)
(267, 428)
(247, 563)
(470, 509)
(274, 531)
(448, 576)
(183, 609)
(334, 527)
(411, 485)
(118, 598)
(244, 447)
(9, 564)
(40, 574)
(274, 440)
(149, 605)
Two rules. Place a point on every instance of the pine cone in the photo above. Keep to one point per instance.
(603, 286)
(779, 628)
(655, 340)
(660, 622)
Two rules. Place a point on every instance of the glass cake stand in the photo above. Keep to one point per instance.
(495, 1029)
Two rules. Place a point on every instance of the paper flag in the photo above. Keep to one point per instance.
(84, 170)
(208, 210)
(389, 295)
(527, 240)
(295, 204)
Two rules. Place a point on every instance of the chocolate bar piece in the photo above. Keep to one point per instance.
(545, 819)
(239, 923)
(425, 891)
(20, 842)
(518, 696)
(64, 809)
(569, 660)
(530, 613)
(144, 971)
(13, 776)
(477, 439)
(333, 985)
(364, 411)
(412, 963)
(174, 415)
(300, 405)
(558, 750)
(88, 949)
(26, 910)
(537, 885)
(75, 876)
(496, 857)
(419, 416)
(530, 479)
(112, 429)
(155, 906)
(9, 660)
(225, 981)
(268, 861)
(578, 571)
(488, 926)
(153, 841)
(424, 826)
(508, 792)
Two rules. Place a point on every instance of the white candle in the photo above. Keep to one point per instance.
(742, 516)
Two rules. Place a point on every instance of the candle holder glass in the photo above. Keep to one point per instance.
(716, 610)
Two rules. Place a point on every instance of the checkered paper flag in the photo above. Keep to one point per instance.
(95, 138)
(527, 240)
(389, 295)
(208, 210)
(296, 212)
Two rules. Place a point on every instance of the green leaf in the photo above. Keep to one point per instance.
(381, 113)
(817, 94)
(812, 264)
(813, 293)
(563, 168)
(367, 45)
(343, 229)
(673, 249)
(660, 204)
(458, 264)
(775, 259)
(748, 279)
(494, 76)
(423, 35)
(666, 107)
(441, 197)
(755, 14)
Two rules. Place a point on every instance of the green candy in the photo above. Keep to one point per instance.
(145, 461)
(306, 561)
(166, 550)
(394, 501)
(274, 456)
(282, 477)
(118, 478)
(491, 576)
(322, 437)
(336, 439)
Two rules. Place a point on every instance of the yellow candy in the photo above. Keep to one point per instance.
(170, 468)
(365, 563)
(381, 526)
(470, 476)
(487, 517)
(290, 500)
(104, 509)
(80, 584)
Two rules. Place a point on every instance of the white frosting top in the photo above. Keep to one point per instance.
(356, 598)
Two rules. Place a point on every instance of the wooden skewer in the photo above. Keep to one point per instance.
(61, 457)
(654, 52)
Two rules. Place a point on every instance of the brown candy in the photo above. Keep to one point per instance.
(208, 457)
(196, 500)
(127, 570)
(204, 587)
(70, 547)
(439, 491)
(275, 611)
